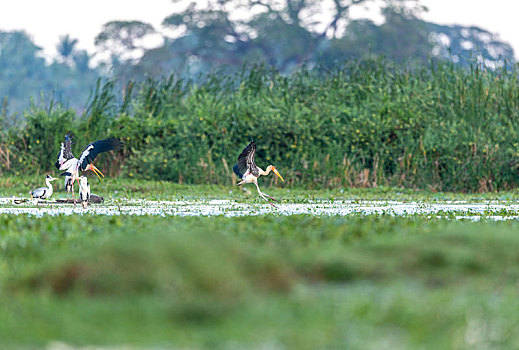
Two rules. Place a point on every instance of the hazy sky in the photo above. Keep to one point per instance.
(496, 16)
(46, 20)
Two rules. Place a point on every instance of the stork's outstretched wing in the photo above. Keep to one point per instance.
(246, 161)
(92, 150)
(65, 153)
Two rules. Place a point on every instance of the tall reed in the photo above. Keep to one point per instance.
(365, 123)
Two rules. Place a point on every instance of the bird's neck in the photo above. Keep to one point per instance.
(267, 171)
(47, 182)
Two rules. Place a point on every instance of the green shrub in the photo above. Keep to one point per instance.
(364, 124)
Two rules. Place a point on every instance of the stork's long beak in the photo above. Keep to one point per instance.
(96, 171)
(54, 178)
(278, 174)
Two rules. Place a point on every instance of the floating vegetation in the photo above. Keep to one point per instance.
(218, 207)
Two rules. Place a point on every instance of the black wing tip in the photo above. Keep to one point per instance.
(66, 173)
(251, 145)
(112, 144)
(115, 142)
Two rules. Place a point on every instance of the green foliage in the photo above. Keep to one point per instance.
(300, 282)
(29, 146)
(367, 123)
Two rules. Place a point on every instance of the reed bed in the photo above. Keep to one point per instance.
(366, 123)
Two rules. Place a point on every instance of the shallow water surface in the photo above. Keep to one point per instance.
(460, 210)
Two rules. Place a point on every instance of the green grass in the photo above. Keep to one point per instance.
(124, 188)
(297, 282)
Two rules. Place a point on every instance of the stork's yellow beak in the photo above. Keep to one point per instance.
(278, 174)
(96, 171)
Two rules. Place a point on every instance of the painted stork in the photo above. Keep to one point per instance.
(84, 191)
(44, 192)
(66, 160)
(249, 172)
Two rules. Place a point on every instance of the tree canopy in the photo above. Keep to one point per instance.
(290, 33)
(24, 73)
(227, 34)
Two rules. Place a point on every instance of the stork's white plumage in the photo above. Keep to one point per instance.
(249, 172)
(72, 166)
(44, 192)
(84, 191)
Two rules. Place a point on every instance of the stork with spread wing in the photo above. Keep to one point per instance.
(249, 172)
(66, 160)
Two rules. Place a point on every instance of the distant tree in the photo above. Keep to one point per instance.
(287, 34)
(120, 43)
(82, 61)
(464, 44)
(122, 38)
(25, 76)
(284, 33)
(404, 36)
(401, 37)
(66, 47)
(20, 62)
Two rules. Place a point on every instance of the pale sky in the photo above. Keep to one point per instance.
(46, 20)
(496, 16)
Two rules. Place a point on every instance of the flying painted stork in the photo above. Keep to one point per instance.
(66, 160)
(249, 172)
(44, 192)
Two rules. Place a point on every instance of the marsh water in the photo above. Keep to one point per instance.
(456, 209)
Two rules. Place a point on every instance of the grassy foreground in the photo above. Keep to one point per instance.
(296, 282)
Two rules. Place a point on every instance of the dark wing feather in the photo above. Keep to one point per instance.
(236, 170)
(65, 153)
(246, 161)
(92, 150)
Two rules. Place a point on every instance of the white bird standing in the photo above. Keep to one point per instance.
(84, 191)
(44, 192)
(66, 160)
(249, 172)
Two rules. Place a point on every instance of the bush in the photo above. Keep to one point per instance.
(367, 123)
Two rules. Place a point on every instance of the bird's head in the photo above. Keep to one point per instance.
(277, 173)
(50, 178)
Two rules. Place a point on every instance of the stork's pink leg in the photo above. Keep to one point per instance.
(264, 196)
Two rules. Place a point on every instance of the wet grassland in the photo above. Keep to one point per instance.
(264, 281)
